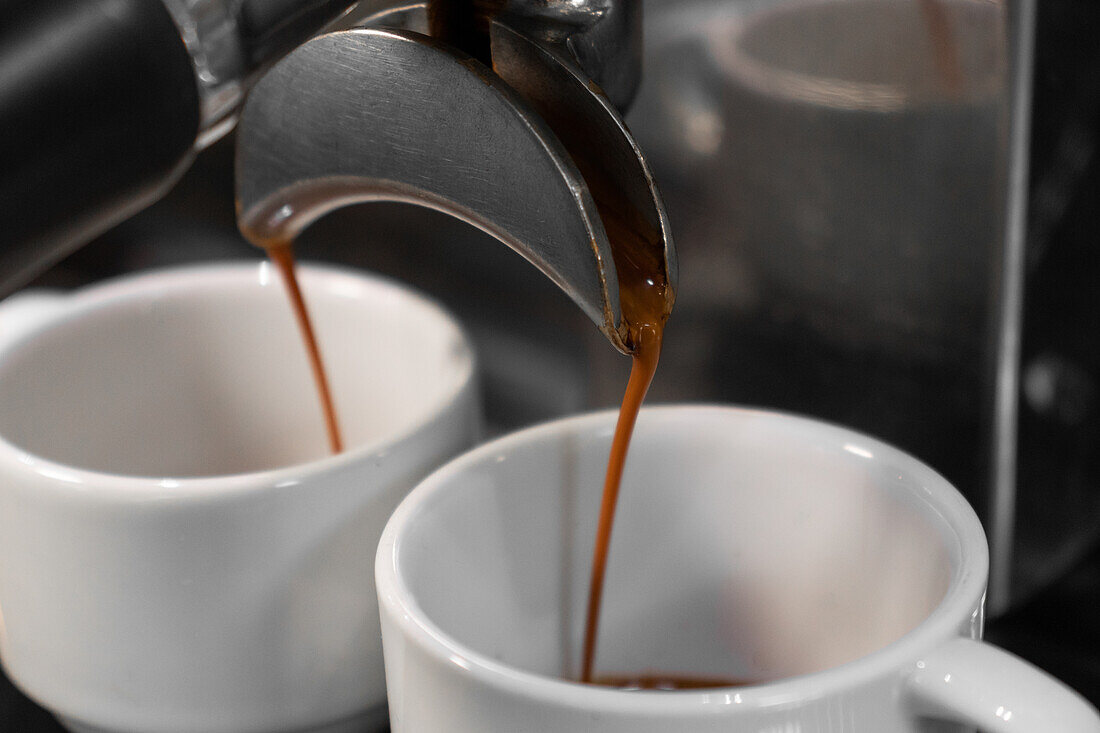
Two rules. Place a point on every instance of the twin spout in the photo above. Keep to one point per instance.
(531, 151)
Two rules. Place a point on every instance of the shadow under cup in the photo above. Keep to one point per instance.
(747, 545)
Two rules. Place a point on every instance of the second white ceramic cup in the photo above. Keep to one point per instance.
(841, 576)
(178, 553)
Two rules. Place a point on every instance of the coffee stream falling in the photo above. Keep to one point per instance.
(282, 254)
(645, 300)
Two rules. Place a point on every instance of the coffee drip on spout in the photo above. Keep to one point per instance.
(529, 150)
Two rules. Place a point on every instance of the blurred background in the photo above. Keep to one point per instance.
(865, 234)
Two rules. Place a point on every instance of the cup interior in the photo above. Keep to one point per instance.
(202, 371)
(747, 545)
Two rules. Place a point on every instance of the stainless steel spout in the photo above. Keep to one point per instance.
(373, 114)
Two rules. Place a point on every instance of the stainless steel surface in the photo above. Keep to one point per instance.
(604, 36)
(370, 114)
(585, 120)
(210, 32)
(390, 115)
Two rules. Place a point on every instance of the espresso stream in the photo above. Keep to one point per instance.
(645, 300)
(282, 254)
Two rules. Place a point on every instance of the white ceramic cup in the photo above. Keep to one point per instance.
(845, 576)
(178, 551)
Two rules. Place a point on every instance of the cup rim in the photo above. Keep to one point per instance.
(947, 507)
(341, 281)
(802, 87)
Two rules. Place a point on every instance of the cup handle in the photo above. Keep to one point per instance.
(26, 310)
(975, 683)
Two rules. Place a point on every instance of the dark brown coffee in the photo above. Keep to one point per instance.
(658, 681)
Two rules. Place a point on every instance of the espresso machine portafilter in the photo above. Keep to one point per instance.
(502, 114)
